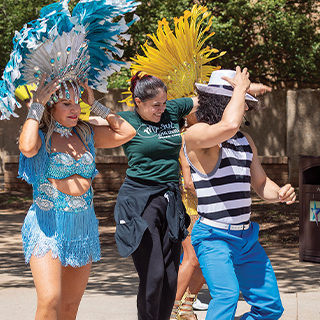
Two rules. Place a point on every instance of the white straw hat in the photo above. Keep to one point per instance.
(219, 86)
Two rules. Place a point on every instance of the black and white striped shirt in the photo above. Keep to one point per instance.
(224, 194)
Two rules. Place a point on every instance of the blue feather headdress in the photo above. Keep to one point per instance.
(72, 47)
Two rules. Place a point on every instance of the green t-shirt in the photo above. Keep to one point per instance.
(153, 154)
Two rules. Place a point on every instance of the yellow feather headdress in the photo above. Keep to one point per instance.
(178, 58)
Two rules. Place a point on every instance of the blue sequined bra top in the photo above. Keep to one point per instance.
(63, 165)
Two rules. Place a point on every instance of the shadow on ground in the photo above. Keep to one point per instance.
(13, 271)
(115, 275)
(112, 275)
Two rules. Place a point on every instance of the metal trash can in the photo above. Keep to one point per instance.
(309, 208)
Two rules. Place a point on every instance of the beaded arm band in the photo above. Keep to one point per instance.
(36, 111)
(100, 110)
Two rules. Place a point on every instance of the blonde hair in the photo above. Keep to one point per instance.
(47, 126)
(47, 122)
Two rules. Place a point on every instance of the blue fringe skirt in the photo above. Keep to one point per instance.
(72, 236)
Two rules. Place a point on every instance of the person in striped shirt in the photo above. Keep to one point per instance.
(223, 171)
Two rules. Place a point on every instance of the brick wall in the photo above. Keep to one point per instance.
(11, 182)
(112, 171)
(276, 168)
(283, 127)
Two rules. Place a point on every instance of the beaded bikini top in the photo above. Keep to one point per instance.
(63, 165)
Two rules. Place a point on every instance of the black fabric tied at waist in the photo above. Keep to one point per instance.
(176, 222)
(132, 199)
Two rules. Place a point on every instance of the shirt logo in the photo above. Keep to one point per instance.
(164, 131)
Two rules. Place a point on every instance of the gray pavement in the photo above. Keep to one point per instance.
(112, 287)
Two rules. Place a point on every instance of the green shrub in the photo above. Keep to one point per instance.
(277, 40)
(119, 80)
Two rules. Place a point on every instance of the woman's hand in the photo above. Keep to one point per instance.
(257, 89)
(240, 79)
(44, 92)
(87, 96)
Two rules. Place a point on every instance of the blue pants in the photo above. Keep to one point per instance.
(234, 261)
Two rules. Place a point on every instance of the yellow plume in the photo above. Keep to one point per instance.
(24, 92)
(178, 58)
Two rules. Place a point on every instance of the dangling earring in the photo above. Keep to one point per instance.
(185, 122)
(246, 123)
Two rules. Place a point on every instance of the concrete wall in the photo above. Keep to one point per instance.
(268, 125)
(303, 128)
(288, 125)
(111, 100)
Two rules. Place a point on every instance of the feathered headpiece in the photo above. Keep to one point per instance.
(70, 47)
(179, 58)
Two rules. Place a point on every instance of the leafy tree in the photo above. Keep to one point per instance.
(119, 80)
(13, 15)
(150, 12)
(278, 40)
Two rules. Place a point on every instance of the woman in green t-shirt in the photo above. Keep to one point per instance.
(150, 217)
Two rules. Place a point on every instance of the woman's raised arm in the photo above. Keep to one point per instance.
(29, 140)
(117, 132)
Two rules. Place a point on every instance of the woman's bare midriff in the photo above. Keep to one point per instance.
(74, 185)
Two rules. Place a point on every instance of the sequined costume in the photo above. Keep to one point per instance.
(62, 223)
(189, 199)
(190, 202)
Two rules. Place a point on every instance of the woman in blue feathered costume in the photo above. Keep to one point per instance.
(62, 52)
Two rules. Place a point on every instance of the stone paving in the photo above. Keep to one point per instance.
(112, 287)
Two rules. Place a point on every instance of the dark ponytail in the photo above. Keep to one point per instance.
(145, 87)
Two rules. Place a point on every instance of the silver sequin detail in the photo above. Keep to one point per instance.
(49, 190)
(76, 203)
(87, 158)
(62, 165)
(64, 158)
(44, 204)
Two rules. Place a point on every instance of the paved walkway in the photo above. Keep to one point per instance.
(112, 287)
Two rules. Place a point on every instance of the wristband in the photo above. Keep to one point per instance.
(35, 111)
(100, 110)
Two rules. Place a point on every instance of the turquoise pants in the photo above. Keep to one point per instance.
(234, 261)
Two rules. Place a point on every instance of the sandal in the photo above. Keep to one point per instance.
(175, 310)
(186, 311)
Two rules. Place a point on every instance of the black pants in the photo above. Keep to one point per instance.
(157, 262)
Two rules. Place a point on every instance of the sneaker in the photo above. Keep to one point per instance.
(199, 306)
